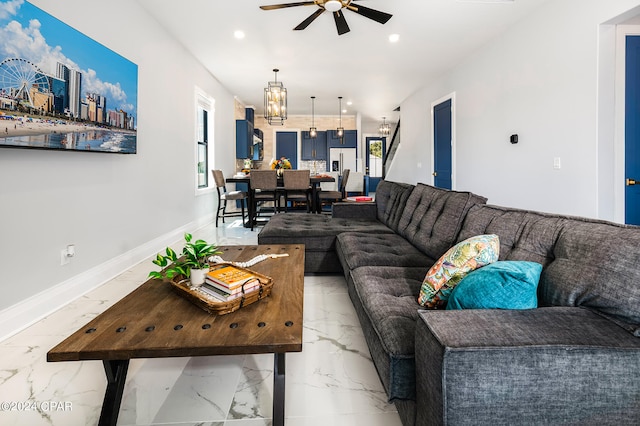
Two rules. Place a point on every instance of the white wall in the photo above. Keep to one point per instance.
(107, 204)
(539, 80)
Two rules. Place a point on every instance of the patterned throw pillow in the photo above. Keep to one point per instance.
(458, 261)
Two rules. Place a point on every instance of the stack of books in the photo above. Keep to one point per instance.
(360, 199)
(228, 282)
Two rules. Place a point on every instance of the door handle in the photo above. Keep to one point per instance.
(434, 174)
(631, 182)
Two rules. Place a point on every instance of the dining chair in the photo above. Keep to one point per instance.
(355, 184)
(335, 196)
(264, 187)
(330, 186)
(224, 196)
(296, 187)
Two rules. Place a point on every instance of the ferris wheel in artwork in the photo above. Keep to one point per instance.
(23, 81)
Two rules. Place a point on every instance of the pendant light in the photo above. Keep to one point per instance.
(385, 129)
(340, 130)
(313, 132)
(275, 101)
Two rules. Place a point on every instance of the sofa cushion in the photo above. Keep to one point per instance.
(391, 198)
(507, 284)
(433, 216)
(385, 299)
(586, 262)
(524, 235)
(596, 266)
(291, 228)
(458, 261)
(559, 365)
(356, 249)
(316, 231)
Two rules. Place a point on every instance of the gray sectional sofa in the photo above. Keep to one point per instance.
(573, 360)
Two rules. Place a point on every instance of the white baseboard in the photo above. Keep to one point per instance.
(25, 313)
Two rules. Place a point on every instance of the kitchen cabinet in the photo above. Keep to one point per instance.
(249, 115)
(314, 149)
(245, 135)
(349, 140)
(244, 139)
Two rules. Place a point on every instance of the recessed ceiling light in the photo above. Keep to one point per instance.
(239, 34)
(349, 103)
(393, 38)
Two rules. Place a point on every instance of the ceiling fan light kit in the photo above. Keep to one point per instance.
(336, 7)
(275, 101)
(333, 5)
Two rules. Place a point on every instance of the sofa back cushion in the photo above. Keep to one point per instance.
(433, 216)
(586, 262)
(524, 235)
(391, 198)
(597, 265)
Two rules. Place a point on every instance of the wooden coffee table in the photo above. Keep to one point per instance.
(154, 322)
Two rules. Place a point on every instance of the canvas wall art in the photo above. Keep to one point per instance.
(59, 89)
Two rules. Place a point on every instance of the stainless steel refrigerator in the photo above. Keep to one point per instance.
(342, 158)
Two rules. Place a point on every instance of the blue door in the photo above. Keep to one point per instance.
(287, 146)
(442, 169)
(374, 158)
(632, 131)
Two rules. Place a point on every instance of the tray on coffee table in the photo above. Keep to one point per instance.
(218, 307)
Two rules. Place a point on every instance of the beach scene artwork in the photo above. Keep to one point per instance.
(60, 89)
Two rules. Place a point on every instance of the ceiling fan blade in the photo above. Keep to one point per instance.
(341, 23)
(304, 24)
(282, 6)
(376, 15)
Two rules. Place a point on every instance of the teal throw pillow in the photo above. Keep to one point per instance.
(500, 285)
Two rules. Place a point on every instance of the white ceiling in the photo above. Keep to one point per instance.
(362, 66)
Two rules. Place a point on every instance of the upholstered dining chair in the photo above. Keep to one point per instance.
(224, 196)
(325, 197)
(330, 186)
(355, 184)
(264, 186)
(296, 187)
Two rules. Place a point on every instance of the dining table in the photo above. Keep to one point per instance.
(314, 183)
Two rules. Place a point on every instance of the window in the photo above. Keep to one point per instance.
(204, 145)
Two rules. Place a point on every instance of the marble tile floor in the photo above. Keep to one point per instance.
(332, 381)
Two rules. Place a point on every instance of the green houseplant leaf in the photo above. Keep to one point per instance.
(194, 255)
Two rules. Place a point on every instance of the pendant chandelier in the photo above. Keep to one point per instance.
(313, 132)
(340, 130)
(275, 101)
(385, 129)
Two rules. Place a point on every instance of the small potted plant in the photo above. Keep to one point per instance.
(193, 263)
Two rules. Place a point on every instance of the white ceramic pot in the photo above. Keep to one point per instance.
(197, 276)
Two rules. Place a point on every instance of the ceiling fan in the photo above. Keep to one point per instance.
(335, 6)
